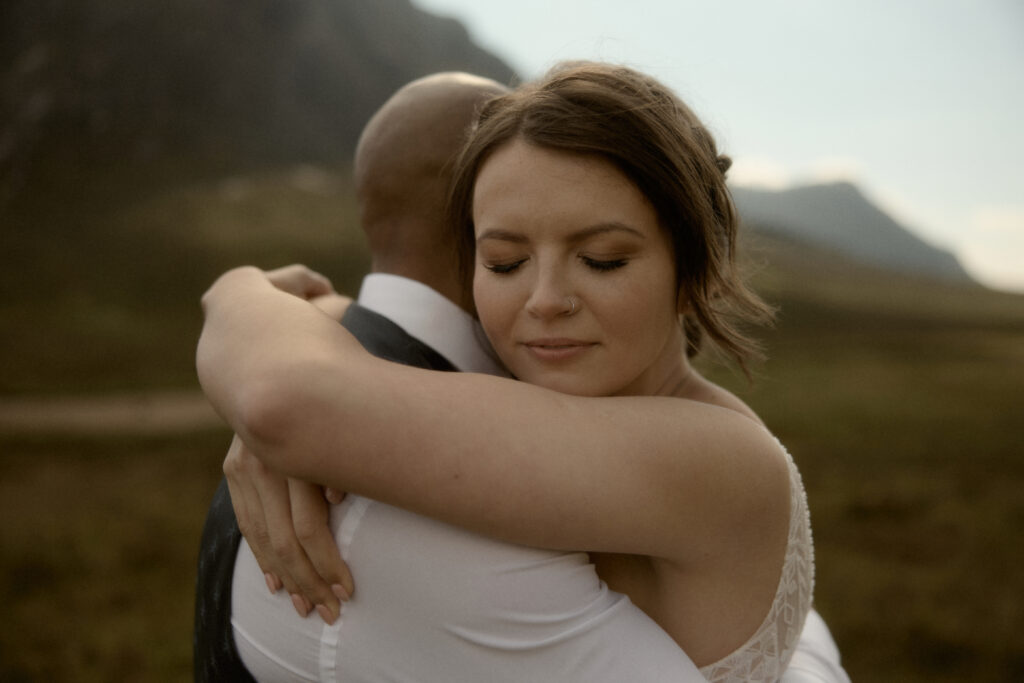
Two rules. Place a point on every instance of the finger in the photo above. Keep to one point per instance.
(298, 574)
(334, 496)
(334, 305)
(331, 581)
(301, 281)
(241, 470)
(311, 517)
(249, 511)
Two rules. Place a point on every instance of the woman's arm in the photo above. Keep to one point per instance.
(645, 475)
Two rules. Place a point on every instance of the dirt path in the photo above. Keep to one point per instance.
(142, 413)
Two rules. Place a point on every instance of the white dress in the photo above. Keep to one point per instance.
(766, 654)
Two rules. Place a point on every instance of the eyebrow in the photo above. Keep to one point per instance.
(578, 236)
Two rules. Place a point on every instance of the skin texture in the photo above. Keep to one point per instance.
(402, 170)
(550, 226)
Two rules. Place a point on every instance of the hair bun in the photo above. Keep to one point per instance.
(724, 163)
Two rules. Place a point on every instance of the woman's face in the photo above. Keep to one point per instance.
(552, 225)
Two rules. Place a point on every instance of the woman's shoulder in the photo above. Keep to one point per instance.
(747, 455)
(698, 388)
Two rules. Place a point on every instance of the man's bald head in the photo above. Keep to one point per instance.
(403, 167)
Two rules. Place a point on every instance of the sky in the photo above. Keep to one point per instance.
(918, 102)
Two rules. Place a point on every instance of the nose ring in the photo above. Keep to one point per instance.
(572, 304)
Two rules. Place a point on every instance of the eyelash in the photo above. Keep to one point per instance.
(595, 264)
(604, 266)
(504, 268)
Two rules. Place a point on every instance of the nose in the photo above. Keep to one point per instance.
(550, 296)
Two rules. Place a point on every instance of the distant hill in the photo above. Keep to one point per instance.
(88, 82)
(839, 217)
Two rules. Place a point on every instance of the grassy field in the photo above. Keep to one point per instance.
(899, 400)
(115, 269)
(99, 547)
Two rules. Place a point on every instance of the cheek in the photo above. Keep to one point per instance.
(491, 309)
(647, 314)
(641, 304)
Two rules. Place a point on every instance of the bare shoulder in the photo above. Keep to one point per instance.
(700, 389)
(748, 456)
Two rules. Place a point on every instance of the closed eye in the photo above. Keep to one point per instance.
(504, 268)
(603, 264)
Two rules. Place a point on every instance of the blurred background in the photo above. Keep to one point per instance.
(146, 147)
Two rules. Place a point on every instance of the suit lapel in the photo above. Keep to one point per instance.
(386, 340)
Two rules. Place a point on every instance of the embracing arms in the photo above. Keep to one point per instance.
(645, 475)
(285, 520)
(538, 467)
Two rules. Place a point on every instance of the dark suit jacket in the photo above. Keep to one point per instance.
(215, 658)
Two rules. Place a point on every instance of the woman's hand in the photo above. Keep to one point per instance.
(285, 522)
(300, 281)
(333, 304)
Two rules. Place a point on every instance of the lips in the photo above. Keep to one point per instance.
(557, 349)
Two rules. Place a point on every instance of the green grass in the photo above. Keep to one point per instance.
(898, 398)
(117, 272)
(98, 553)
(901, 409)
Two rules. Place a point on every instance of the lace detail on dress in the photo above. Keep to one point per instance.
(765, 656)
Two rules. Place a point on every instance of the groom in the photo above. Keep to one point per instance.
(412, 308)
(402, 168)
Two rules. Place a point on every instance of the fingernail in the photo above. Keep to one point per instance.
(300, 604)
(340, 592)
(325, 614)
(271, 582)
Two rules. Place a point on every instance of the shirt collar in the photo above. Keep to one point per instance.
(433, 319)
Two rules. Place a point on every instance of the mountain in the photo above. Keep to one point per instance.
(839, 217)
(233, 82)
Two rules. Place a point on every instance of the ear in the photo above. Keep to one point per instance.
(683, 304)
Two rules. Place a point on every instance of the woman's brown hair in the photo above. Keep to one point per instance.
(652, 137)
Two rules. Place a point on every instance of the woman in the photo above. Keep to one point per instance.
(596, 206)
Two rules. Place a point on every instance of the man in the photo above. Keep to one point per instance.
(401, 172)
(401, 179)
